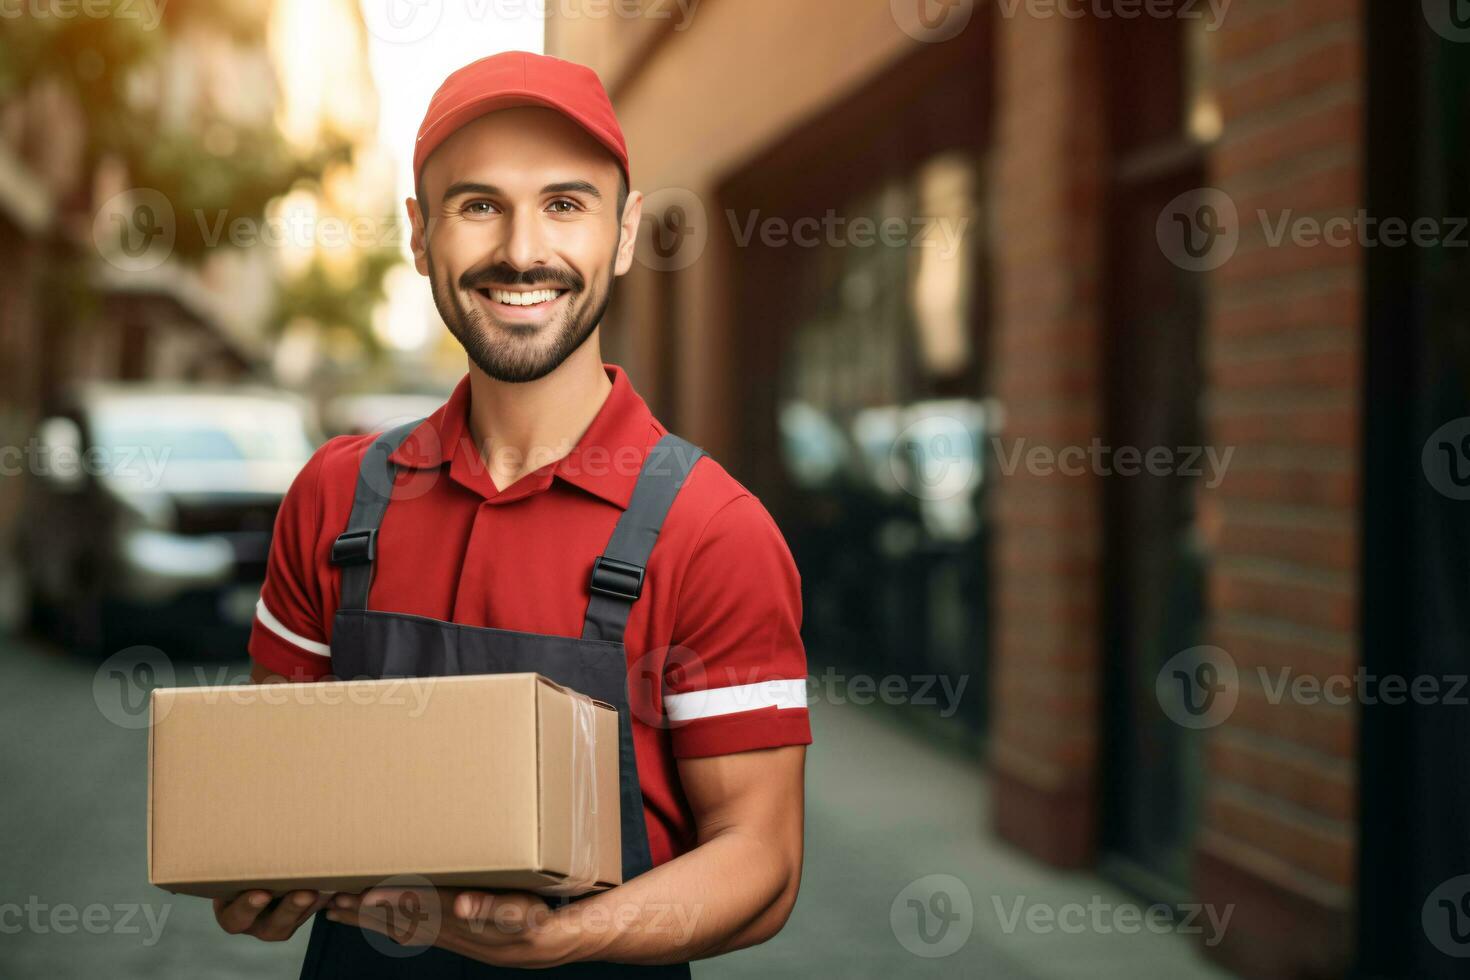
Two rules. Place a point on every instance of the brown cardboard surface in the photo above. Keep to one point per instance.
(464, 781)
(557, 732)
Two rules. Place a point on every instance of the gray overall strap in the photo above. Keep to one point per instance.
(356, 548)
(617, 574)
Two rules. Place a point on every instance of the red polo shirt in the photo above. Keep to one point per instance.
(716, 663)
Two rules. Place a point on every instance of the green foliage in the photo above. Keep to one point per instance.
(92, 56)
(317, 295)
(207, 188)
(208, 169)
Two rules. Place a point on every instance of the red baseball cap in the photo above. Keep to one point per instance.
(519, 78)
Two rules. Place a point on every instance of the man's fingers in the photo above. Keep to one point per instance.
(507, 912)
(473, 907)
(239, 914)
(282, 920)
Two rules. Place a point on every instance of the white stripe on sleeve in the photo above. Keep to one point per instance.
(732, 700)
(269, 621)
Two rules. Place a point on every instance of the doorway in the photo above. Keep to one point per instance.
(1155, 558)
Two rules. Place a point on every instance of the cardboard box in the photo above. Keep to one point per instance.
(338, 785)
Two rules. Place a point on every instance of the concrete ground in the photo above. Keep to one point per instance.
(899, 869)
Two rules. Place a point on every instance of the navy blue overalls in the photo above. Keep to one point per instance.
(371, 643)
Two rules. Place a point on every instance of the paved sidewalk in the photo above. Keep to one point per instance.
(886, 810)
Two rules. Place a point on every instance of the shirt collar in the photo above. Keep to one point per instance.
(605, 461)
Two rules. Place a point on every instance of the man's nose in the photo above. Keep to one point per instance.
(525, 245)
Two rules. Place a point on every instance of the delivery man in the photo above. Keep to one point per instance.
(544, 520)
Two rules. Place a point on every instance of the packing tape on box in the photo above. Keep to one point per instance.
(585, 858)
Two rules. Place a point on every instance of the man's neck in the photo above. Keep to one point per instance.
(522, 427)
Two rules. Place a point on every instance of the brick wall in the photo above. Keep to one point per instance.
(1284, 335)
(1046, 643)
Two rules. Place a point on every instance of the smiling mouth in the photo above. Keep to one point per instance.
(521, 298)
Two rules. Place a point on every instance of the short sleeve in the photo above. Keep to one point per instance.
(289, 636)
(738, 679)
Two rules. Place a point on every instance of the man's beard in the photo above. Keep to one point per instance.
(504, 352)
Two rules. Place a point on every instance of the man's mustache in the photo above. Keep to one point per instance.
(502, 274)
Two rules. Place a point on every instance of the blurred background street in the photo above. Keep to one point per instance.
(1105, 364)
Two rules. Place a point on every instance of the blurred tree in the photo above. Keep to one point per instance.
(210, 152)
(332, 295)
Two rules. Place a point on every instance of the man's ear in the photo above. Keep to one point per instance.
(628, 243)
(417, 240)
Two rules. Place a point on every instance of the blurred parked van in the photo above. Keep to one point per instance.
(150, 510)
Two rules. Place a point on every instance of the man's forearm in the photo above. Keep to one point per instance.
(732, 891)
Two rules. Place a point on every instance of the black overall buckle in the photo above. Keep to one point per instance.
(355, 547)
(619, 579)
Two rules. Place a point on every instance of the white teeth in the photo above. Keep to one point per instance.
(523, 299)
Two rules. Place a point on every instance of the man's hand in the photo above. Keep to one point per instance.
(734, 889)
(254, 914)
(501, 928)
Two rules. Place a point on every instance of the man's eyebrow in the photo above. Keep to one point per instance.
(471, 187)
(490, 190)
(573, 187)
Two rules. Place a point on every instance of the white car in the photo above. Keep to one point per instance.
(150, 514)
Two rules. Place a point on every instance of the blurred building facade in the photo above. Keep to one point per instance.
(166, 189)
(244, 106)
(130, 322)
(1055, 145)
(66, 314)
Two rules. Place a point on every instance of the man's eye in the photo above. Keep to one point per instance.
(479, 207)
(562, 206)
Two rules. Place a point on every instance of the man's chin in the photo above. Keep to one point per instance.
(517, 353)
(522, 345)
